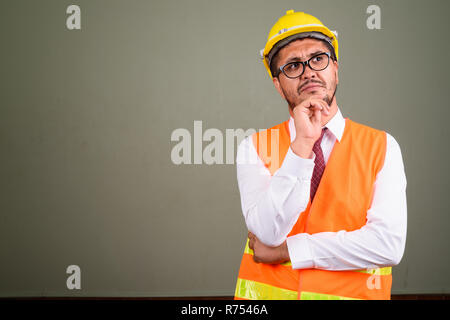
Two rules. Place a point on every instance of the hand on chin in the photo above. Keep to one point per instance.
(317, 93)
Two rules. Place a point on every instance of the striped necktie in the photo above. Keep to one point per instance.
(319, 165)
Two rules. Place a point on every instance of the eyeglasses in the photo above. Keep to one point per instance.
(295, 69)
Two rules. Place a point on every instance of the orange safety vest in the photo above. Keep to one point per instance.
(341, 203)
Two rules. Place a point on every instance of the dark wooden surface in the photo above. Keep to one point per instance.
(394, 297)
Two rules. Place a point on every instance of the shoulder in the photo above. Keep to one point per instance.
(280, 130)
(393, 150)
(245, 144)
(246, 153)
(356, 126)
(283, 125)
(249, 140)
(390, 145)
(366, 136)
(391, 142)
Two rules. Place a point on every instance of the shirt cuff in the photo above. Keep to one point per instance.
(300, 251)
(297, 166)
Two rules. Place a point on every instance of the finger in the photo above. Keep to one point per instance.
(326, 108)
(307, 104)
(313, 102)
(316, 119)
(322, 105)
(321, 102)
(316, 105)
(314, 108)
(250, 243)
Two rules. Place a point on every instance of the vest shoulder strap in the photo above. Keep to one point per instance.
(272, 145)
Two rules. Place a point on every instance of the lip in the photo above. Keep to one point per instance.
(312, 86)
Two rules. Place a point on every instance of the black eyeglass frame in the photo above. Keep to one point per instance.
(304, 64)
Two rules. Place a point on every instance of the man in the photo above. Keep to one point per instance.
(323, 197)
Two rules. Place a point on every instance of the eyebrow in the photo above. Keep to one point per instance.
(292, 59)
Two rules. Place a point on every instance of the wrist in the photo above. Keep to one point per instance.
(284, 252)
(303, 148)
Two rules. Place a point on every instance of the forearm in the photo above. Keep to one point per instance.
(380, 242)
(361, 249)
(271, 204)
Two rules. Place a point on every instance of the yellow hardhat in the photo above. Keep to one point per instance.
(295, 25)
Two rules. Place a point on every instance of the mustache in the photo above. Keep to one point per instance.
(309, 82)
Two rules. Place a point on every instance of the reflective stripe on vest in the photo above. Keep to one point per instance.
(341, 203)
(321, 296)
(253, 290)
(378, 271)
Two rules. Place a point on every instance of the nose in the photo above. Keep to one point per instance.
(308, 73)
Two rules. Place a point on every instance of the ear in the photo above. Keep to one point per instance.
(276, 83)
(336, 66)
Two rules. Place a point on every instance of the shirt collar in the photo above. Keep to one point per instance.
(335, 125)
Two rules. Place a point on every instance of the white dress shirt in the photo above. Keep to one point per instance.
(272, 204)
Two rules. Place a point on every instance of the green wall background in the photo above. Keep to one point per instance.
(86, 118)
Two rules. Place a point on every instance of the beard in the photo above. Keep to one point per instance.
(295, 100)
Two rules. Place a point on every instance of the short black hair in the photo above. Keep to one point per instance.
(274, 62)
